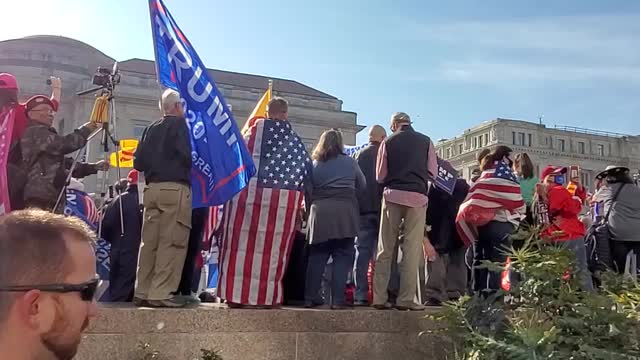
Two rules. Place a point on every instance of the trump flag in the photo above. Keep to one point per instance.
(222, 165)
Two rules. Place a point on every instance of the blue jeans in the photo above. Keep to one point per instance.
(341, 250)
(580, 249)
(366, 246)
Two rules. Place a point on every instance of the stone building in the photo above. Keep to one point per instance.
(33, 59)
(592, 150)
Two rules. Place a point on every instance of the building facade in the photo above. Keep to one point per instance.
(591, 150)
(33, 59)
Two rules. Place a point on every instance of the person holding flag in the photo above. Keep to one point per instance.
(209, 164)
(260, 222)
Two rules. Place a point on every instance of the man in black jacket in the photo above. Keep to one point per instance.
(124, 244)
(447, 270)
(164, 155)
(370, 202)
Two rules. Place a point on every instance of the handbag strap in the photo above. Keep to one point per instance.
(613, 201)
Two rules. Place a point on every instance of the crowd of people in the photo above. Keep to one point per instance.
(361, 228)
(325, 229)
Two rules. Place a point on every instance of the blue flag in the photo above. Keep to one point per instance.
(79, 204)
(222, 165)
(447, 176)
(352, 150)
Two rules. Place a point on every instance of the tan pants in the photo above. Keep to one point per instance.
(414, 225)
(165, 235)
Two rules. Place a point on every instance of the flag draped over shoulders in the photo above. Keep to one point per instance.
(260, 222)
(496, 190)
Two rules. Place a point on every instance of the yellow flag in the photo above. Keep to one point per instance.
(260, 111)
(128, 148)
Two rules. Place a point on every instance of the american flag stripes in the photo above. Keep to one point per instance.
(260, 222)
(213, 221)
(496, 189)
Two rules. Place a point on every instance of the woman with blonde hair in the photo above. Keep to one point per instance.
(333, 217)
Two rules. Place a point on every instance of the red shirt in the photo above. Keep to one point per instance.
(564, 210)
(20, 120)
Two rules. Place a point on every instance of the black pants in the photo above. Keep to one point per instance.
(198, 222)
(619, 251)
(492, 239)
(342, 252)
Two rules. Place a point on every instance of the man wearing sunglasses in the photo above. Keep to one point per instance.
(47, 285)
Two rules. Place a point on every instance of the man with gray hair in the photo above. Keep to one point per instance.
(164, 155)
(406, 161)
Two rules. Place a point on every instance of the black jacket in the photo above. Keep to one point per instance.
(124, 249)
(164, 153)
(407, 158)
(370, 199)
(441, 216)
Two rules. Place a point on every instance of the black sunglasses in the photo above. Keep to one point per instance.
(87, 289)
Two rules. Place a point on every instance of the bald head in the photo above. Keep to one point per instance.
(377, 133)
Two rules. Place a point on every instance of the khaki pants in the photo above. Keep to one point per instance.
(165, 235)
(414, 225)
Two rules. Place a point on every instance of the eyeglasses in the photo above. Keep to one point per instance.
(87, 289)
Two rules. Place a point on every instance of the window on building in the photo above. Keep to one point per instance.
(521, 139)
(460, 149)
(584, 179)
(486, 139)
(448, 153)
(561, 144)
(600, 150)
(580, 147)
(530, 140)
(480, 141)
(138, 128)
(513, 137)
(475, 142)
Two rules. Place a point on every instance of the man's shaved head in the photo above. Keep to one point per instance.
(377, 133)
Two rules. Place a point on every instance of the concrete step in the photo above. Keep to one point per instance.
(288, 333)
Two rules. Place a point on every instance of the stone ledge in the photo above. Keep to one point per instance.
(216, 318)
(288, 333)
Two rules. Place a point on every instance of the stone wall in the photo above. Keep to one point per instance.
(287, 334)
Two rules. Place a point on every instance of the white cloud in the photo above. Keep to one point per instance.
(563, 48)
(487, 72)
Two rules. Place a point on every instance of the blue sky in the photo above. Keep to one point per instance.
(449, 65)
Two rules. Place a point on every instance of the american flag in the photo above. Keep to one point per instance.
(213, 222)
(496, 189)
(260, 222)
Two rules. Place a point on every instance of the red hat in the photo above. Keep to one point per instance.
(552, 170)
(133, 176)
(38, 100)
(8, 81)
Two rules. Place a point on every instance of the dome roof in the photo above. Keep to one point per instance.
(55, 40)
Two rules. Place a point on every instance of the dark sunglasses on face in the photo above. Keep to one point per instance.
(87, 290)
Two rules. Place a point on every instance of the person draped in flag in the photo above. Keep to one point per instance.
(260, 222)
(491, 213)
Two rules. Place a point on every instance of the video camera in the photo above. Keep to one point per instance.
(104, 79)
(107, 78)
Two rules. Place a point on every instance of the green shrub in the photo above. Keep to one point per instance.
(546, 315)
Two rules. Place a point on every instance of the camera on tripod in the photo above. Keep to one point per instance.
(106, 78)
